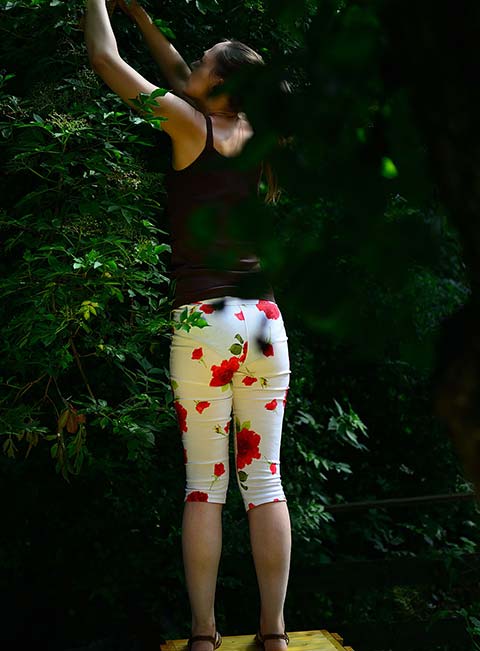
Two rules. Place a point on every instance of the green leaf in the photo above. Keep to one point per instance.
(207, 5)
(160, 248)
(163, 27)
(150, 438)
(159, 92)
(389, 169)
(197, 319)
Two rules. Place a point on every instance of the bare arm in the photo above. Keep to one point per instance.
(173, 66)
(179, 119)
(99, 37)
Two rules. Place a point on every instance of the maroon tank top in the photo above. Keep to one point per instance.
(212, 193)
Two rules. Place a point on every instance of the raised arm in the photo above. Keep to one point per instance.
(181, 119)
(172, 65)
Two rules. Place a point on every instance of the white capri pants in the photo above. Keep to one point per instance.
(238, 362)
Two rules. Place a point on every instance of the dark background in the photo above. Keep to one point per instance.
(371, 249)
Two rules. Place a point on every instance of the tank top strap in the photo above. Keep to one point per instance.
(209, 142)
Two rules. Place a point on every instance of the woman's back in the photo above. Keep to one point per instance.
(206, 201)
(229, 140)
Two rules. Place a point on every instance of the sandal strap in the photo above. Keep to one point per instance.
(276, 636)
(209, 638)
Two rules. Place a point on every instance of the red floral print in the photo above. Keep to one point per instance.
(219, 469)
(248, 380)
(271, 405)
(276, 500)
(197, 353)
(181, 415)
(247, 447)
(273, 468)
(197, 496)
(267, 350)
(223, 374)
(201, 405)
(285, 398)
(251, 506)
(227, 427)
(269, 308)
(240, 315)
(244, 354)
(207, 308)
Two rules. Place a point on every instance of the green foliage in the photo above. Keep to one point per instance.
(365, 268)
(83, 247)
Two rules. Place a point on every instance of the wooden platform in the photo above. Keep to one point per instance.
(320, 640)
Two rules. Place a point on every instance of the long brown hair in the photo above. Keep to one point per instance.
(228, 60)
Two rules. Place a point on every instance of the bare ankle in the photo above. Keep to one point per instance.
(203, 629)
(272, 625)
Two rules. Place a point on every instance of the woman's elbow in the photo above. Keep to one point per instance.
(99, 60)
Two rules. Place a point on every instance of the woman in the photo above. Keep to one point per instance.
(236, 355)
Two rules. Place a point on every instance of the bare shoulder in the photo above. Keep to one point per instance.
(184, 120)
(182, 117)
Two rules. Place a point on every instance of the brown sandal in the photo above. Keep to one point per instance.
(259, 638)
(216, 641)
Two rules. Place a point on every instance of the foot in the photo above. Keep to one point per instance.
(203, 645)
(275, 645)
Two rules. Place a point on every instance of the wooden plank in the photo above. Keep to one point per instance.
(319, 640)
